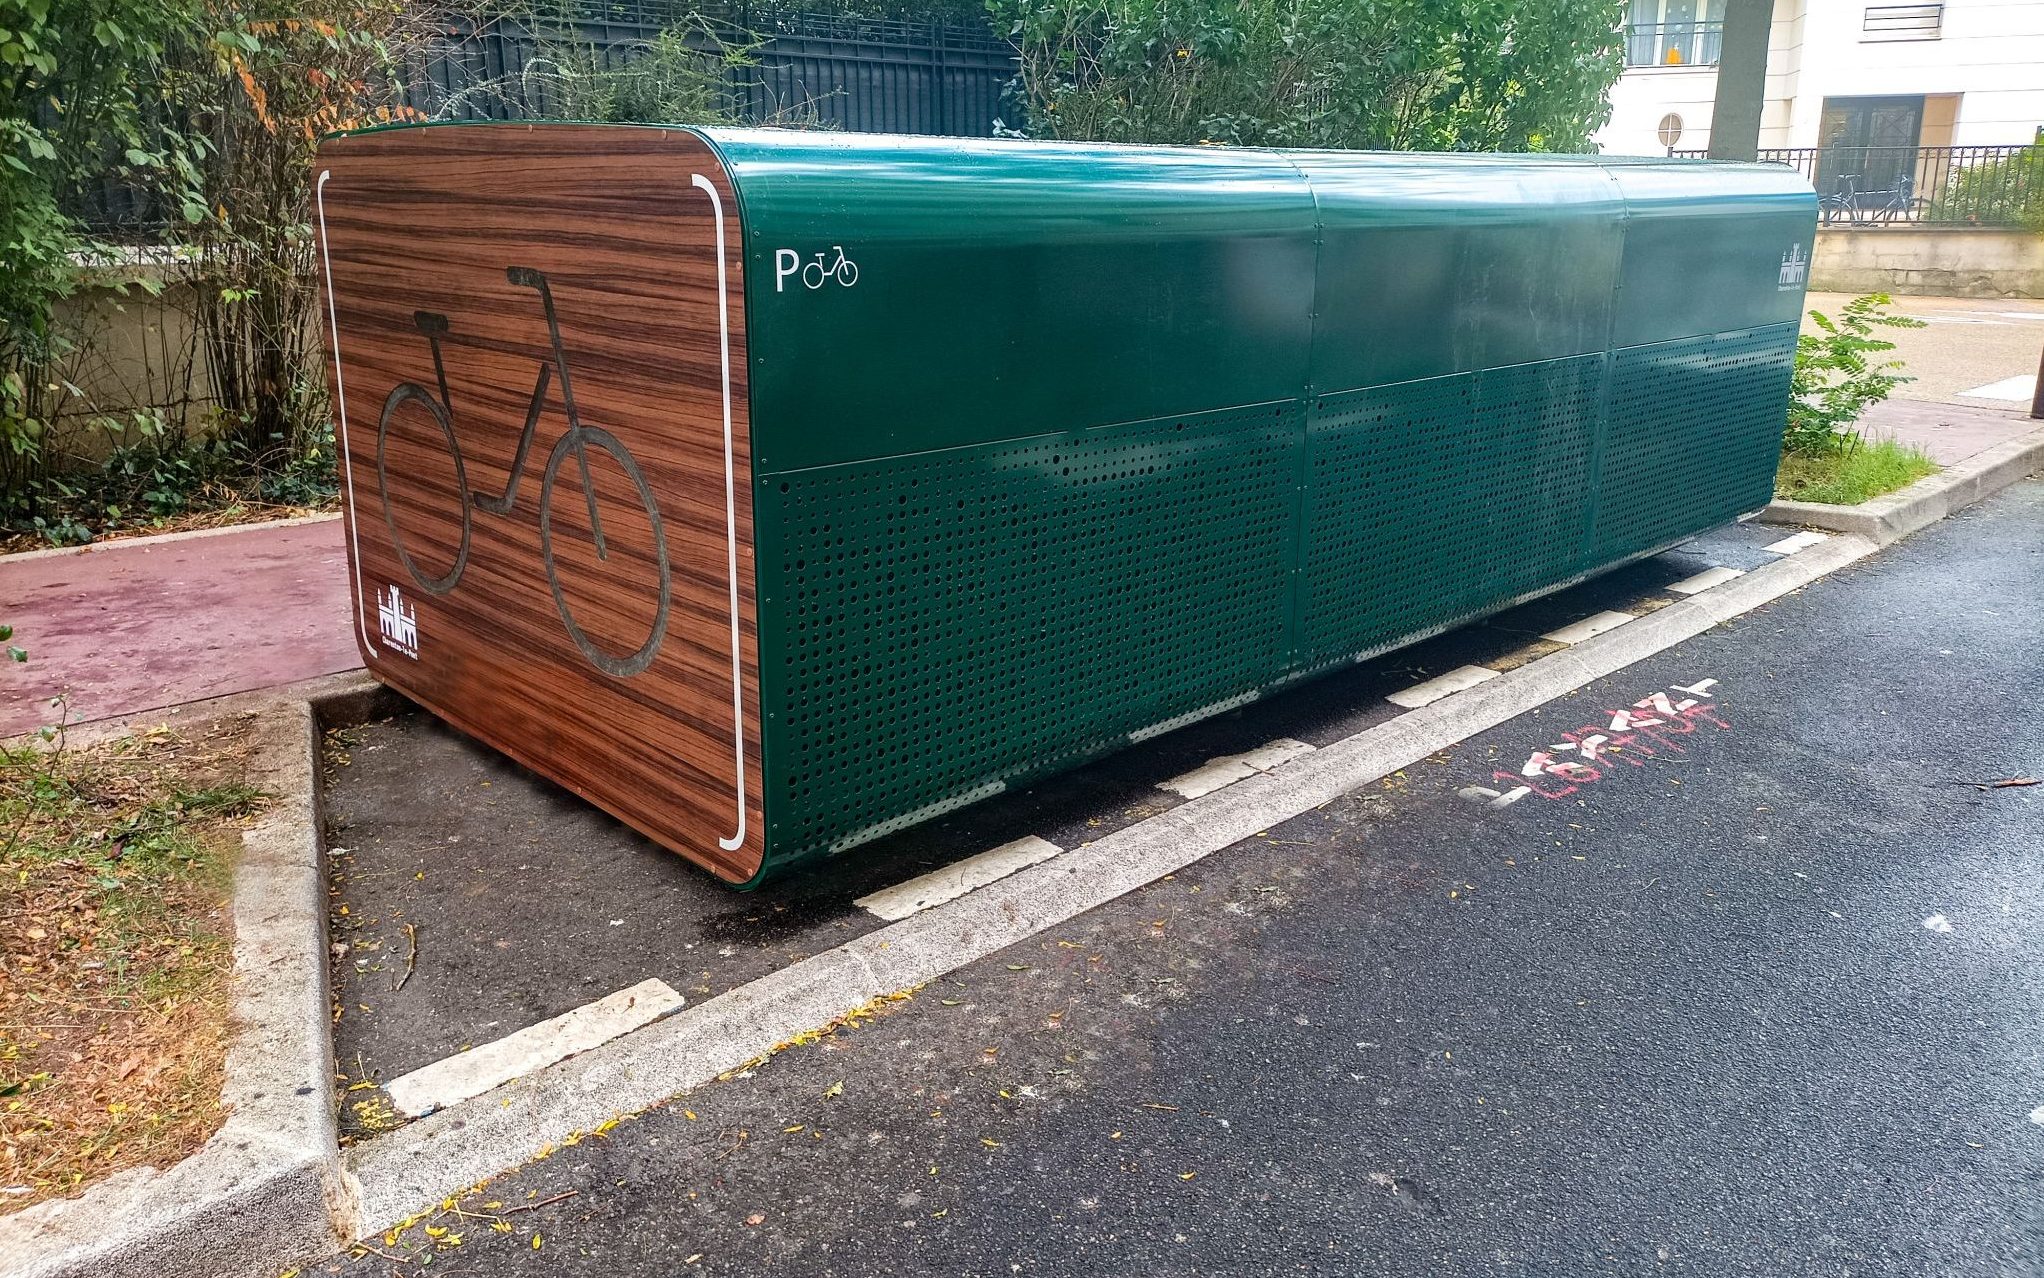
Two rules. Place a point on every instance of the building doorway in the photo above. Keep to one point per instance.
(1871, 140)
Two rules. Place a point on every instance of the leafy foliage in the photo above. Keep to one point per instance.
(676, 77)
(257, 96)
(237, 96)
(72, 78)
(2005, 190)
(1393, 74)
(1839, 375)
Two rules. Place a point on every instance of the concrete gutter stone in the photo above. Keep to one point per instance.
(266, 1189)
(1890, 518)
(159, 539)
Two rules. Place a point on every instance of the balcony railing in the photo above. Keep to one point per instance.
(1919, 185)
(1673, 44)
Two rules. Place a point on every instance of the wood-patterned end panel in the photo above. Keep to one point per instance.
(479, 585)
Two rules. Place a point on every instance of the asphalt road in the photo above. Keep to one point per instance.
(1761, 994)
(472, 898)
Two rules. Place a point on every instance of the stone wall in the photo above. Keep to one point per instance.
(1952, 261)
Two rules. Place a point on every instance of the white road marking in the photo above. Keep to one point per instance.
(1588, 627)
(2037, 1115)
(955, 880)
(2018, 388)
(1447, 685)
(1705, 580)
(471, 1073)
(1799, 541)
(1230, 768)
(1489, 798)
(1700, 688)
(1937, 923)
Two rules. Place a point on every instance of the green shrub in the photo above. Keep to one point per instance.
(2001, 190)
(1838, 375)
(1396, 74)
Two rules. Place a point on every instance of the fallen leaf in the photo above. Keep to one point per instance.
(755, 1219)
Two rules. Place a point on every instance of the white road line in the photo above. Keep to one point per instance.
(1230, 768)
(1487, 797)
(457, 1078)
(1425, 694)
(2018, 388)
(1705, 580)
(1588, 627)
(955, 880)
(1800, 541)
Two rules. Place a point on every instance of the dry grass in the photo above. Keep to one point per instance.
(115, 951)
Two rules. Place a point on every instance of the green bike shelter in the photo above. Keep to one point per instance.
(1043, 449)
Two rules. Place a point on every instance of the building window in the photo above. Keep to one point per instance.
(1885, 22)
(1674, 33)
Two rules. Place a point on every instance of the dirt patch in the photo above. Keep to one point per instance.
(116, 863)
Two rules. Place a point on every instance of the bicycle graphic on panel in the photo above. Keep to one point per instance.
(844, 270)
(575, 442)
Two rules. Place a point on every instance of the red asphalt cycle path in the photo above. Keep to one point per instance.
(125, 627)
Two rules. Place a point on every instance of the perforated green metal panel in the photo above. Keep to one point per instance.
(947, 623)
(1436, 500)
(1693, 433)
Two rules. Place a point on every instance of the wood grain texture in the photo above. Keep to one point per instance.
(478, 226)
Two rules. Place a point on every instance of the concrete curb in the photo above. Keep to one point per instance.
(1891, 518)
(409, 1170)
(158, 539)
(266, 1189)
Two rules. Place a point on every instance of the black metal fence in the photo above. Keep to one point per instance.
(1922, 185)
(831, 70)
(876, 75)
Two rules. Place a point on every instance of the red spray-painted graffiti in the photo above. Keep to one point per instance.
(1646, 729)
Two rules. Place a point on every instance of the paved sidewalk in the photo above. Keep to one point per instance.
(1950, 433)
(1971, 350)
(132, 626)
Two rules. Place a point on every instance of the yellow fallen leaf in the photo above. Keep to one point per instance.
(835, 1089)
(535, 1242)
(1187, 1175)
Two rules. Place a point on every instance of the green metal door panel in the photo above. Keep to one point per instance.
(1434, 501)
(1693, 436)
(1002, 288)
(1711, 248)
(939, 626)
(1438, 264)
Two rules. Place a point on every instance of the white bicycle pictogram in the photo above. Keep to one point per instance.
(844, 270)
